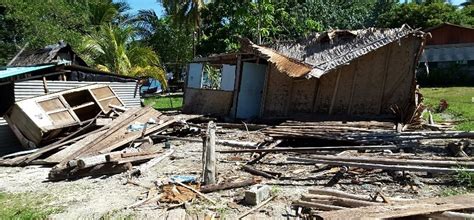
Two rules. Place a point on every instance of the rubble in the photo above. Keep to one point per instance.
(331, 204)
(218, 164)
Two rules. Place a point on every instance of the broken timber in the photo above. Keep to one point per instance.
(380, 166)
(303, 149)
(399, 210)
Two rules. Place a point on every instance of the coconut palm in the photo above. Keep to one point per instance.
(184, 12)
(113, 48)
(106, 11)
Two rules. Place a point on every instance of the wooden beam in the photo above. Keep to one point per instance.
(399, 210)
(45, 85)
(380, 166)
(209, 155)
(238, 79)
(308, 149)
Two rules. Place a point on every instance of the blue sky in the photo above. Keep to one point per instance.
(153, 4)
(145, 4)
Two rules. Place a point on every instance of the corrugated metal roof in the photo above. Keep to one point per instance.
(14, 71)
(448, 53)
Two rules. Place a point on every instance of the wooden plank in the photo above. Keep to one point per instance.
(381, 166)
(62, 142)
(238, 79)
(85, 139)
(119, 123)
(438, 163)
(209, 155)
(302, 149)
(129, 137)
(99, 170)
(399, 210)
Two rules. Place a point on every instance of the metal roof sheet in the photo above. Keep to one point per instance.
(14, 71)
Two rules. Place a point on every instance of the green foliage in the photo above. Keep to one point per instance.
(424, 15)
(24, 206)
(465, 178)
(113, 48)
(461, 107)
(212, 75)
(184, 12)
(173, 43)
(41, 23)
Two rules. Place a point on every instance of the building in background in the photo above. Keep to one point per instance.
(448, 57)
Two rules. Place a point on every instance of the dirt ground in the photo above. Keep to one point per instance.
(94, 198)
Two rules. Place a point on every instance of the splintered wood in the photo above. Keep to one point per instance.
(102, 148)
(334, 204)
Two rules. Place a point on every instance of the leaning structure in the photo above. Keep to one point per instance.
(340, 74)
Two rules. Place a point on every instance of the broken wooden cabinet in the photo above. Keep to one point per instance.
(42, 118)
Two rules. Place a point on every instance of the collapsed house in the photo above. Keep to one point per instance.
(340, 74)
(49, 70)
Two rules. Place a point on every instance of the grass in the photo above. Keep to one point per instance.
(163, 102)
(24, 206)
(460, 101)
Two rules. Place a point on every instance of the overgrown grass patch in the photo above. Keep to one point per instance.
(165, 102)
(24, 206)
(460, 101)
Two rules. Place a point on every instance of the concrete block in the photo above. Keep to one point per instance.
(257, 194)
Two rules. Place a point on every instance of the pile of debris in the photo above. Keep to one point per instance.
(88, 132)
(334, 204)
(95, 136)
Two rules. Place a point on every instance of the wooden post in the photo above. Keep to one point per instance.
(209, 155)
(45, 85)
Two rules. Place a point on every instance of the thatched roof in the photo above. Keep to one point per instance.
(323, 52)
(48, 54)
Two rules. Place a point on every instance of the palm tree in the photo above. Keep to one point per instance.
(184, 12)
(113, 48)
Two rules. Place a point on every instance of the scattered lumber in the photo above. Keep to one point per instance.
(229, 185)
(380, 166)
(231, 143)
(390, 161)
(356, 132)
(342, 205)
(99, 170)
(399, 210)
(309, 149)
